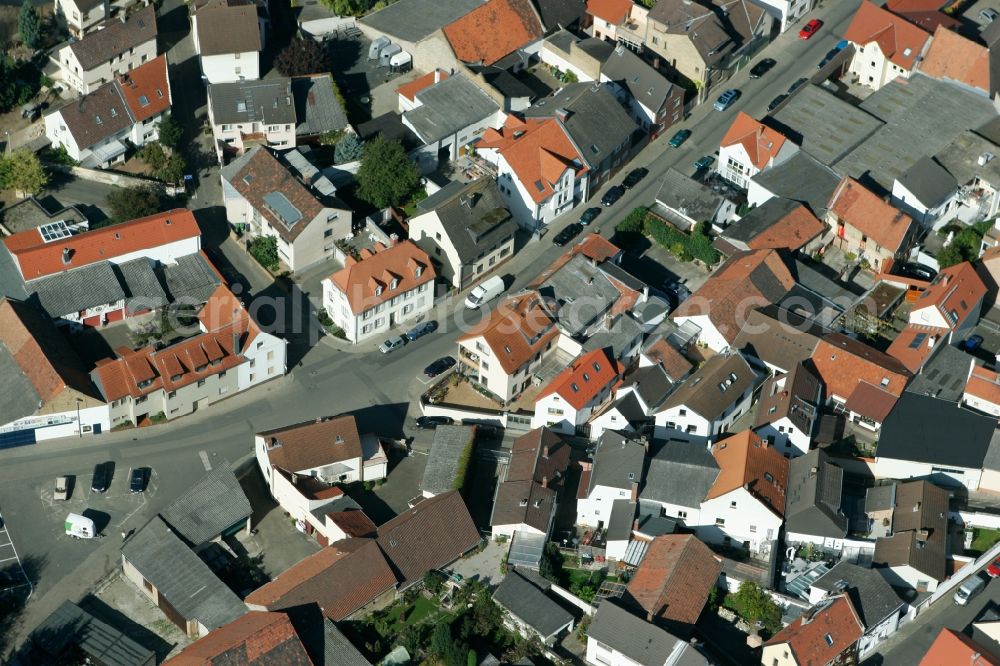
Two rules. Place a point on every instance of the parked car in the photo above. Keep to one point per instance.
(994, 569)
(439, 366)
(102, 477)
(567, 234)
(916, 271)
(137, 483)
(832, 53)
(589, 215)
(612, 195)
(970, 588)
(62, 488)
(392, 344)
(972, 343)
(798, 84)
(420, 330)
(484, 292)
(776, 102)
(679, 138)
(634, 176)
(432, 422)
(762, 67)
(704, 162)
(677, 293)
(725, 99)
(989, 15)
(810, 29)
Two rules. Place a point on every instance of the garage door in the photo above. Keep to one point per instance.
(17, 438)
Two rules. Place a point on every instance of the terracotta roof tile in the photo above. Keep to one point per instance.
(313, 444)
(914, 346)
(228, 26)
(368, 282)
(957, 290)
(924, 13)
(984, 384)
(808, 640)
(540, 455)
(146, 89)
(861, 208)
(747, 461)
(899, 40)
(951, 648)
(494, 30)
(675, 578)
(612, 11)
(410, 90)
(584, 379)
(255, 639)
(841, 362)
(597, 247)
(517, 329)
(354, 523)
(791, 232)
(760, 141)
(952, 56)
(35, 258)
(670, 359)
(871, 401)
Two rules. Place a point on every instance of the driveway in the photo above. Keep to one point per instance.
(483, 566)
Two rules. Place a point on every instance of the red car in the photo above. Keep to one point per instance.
(810, 29)
(994, 569)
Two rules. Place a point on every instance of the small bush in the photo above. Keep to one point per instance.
(265, 250)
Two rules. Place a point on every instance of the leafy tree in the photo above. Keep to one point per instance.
(550, 566)
(265, 250)
(128, 203)
(964, 246)
(18, 82)
(303, 56)
(22, 171)
(29, 24)
(752, 603)
(167, 166)
(387, 175)
(433, 582)
(348, 149)
(347, 7)
(171, 131)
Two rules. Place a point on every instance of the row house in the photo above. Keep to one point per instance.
(526, 499)
(250, 113)
(654, 102)
(868, 227)
(376, 292)
(827, 633)
(749, 147)
(886, 46)
(574, 395)
(788, 411)
(911, 525)
(81, 16)
(614, 474)
(228, 37)
(813, 512)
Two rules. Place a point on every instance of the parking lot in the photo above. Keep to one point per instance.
(13, 578)
(110, 510)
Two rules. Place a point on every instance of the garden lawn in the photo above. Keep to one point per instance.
(983, 539)
(416, 612)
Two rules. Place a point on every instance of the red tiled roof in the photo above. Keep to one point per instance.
(35, 258)
(957, 289)
(670, 359)
(760, 141)
(612, 11)
(340, 578)
(540, 455)
(952, 56)
(841, 362)
(791, 232)
(597, 247)
(951, 648)
(410, 90)
(861, 208)
(899, 40)
(353, 523)
(256, 639)
(924, 13)
(368, 282)
(871, 401)
(747, 461)
(517, 329)
(808, 639)
(675, 578)
(584, 379)
(914, 345)
(313, 444)
(494, 30)
(146, 89)
(984, 384)
(538, 151)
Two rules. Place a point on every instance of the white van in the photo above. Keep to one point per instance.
(80, 527)
(970, 588)
(484, 292)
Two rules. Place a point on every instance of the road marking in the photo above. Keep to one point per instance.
(204, 461)
(8, 559)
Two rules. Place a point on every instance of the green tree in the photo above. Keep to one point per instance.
(347, 7)
(167, 165)
(171, 131)
(29, 24)
(964, 246)
(23, 172)
(129, 203)
(303, 56)
(752, 603)
(387, 175)
(265, 250)
(348, 149)
(550, 566)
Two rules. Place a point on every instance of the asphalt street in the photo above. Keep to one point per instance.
(380, 388)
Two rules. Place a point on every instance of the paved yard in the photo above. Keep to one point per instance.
(124, 606)
(656, 266)
(483, 566)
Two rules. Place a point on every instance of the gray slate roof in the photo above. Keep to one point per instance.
(70, 627)
(700, 392)
(639, 640)
(624, 331)
(928, 181)
(760, 219)
(338, 650)
(531, 605)
(414, 20)
(617, 462)
(473, 215)
(651, 383)
(317, 109)
(578, 280)
(872, 597)
(448, 107)
(18, 397)
(442, 461)
(812, 500)
(944, 375)
(620, 520)
(679, 472)
(688, 196)
(646, 85)
(142, 286)
(116, 36)
(76, 290)
(880, 498)
(504, 82)
(180, 576)
(961, 158)
(269, 102)
(191, 278)
(801, 178)
(630, 408)
(209, 507)
(922, 429)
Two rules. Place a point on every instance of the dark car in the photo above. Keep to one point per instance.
(679, 138)
(762, 67)
(776, 102)
(798, 84)
(612, 195)
(589, 215)
(972, 343)
(439, 366)
(916, 271)
(420, 330)
(102, 477)
(633, 177)
(431, 422)
(567, 234)
(137, 483)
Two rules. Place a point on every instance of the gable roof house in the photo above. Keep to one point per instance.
(954, 647)
(800, 178)
(777, 224)
(672, 584)
(228, 37)
(685, 203)
(573, 396)
(256, 639)
(96, 129)
(213, 508)
(981, 391)
(244, 114)
(926, 192)
(778, 338)
(788, 411)
(466, 230)
(952, 57)
(504, 33)
(285, 198)
(915, 554)
(749, 147)
(678, 476)
(813, 502)
(525, 500)
(80, 16)
(745, 280)
(827, 632)
(613, 474)
(529, 609)
(868, 226)
(636, 397)
(616, 636)
(117, 46)
(617, 21)
(654, 101)
(886, 45)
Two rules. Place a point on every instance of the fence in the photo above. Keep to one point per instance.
(105, 177)
(976, 519)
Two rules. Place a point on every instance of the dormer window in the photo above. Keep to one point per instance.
(418, 271)
(378, 290)
(394, 283)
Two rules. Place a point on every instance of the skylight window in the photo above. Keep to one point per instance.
(586, 377)
(143, 100)
(575, 388)
(98, 119)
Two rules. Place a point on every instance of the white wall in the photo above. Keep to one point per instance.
(786, 437)
(229, 67)
(787, 12)
(266, 359)
(749, 520)
(597, 506)
(87, 81)
(889, 468)
(709, 336)
(381, 318)
(687, 422)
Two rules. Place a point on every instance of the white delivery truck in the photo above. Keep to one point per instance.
(80, 527)
(484, 292)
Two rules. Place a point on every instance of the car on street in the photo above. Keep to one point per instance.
(776, 102)
(994, 569)
(589, 215)
(137, 483)
(798, 84)
(567, 234)
(420, 330)
(102, 477)
(679, 138)
(634, 176)
(392, 344)
(62, 488)
(972, 343)
(439, 366)
(810, 29)
(725, 99)
(432, 422)
(832, 53)
(612, 195)
(762, 67)
(704, 162)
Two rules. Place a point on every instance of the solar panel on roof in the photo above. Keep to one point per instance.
(283, 208)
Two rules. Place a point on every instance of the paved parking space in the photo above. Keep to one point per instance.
(110, 510)
(13, 577)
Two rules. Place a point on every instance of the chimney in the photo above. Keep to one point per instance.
(984, 158)
(562, 114)
(931, 341)
(635, 524)
(236, 342)
(545, 452)
(922, 535)
(66, 255)
(295, 478)
(437, 76)
(635, 492)
(545, 482)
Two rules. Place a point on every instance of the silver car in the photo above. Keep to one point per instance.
(392, 344)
